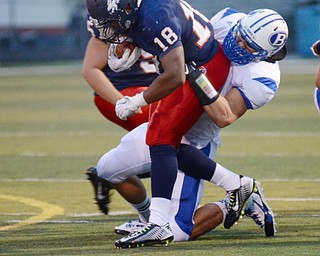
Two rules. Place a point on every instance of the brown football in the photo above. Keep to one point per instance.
(120, 48)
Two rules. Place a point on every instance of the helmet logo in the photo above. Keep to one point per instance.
(112, 6)
(277, 39)
(203, 70)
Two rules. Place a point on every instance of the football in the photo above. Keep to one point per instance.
(120, 48)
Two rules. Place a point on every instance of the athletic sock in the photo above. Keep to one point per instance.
(196, 164)
(160, 209)
(226, 179)
(143, 209)
(222, 206)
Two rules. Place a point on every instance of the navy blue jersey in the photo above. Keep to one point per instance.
(164, 25)
(142, 73)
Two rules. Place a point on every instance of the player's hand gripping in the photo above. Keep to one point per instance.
(128, 106)
(118, 64)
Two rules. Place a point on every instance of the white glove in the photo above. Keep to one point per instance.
(128, 106)
(125, 62)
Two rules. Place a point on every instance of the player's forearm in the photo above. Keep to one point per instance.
(220, 112)
(170, 79)
(102, 85)
(162, 86)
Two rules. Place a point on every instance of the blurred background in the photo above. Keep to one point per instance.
(55, 30)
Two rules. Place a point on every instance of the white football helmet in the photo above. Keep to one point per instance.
(264, 30)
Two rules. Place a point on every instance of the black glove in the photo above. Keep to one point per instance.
(204, 90)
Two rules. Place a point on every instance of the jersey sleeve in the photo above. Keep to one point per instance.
(258, 83)
(161, 30)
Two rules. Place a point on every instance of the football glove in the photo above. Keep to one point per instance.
(125, 62)
(128, 106)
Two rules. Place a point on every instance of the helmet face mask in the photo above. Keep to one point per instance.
(110, 31)
(264, 30)
(113, 18)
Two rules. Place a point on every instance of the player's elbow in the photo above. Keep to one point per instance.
(179, 81)
(179, 78)
(85, 72)
(174, 81)
(223, 121)
(223, 124)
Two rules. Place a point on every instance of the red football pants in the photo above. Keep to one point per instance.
(108, 110)
(179, 111)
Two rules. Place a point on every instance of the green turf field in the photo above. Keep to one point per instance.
(50, 132)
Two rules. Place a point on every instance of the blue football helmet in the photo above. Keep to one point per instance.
(113, 18)
(263, 30)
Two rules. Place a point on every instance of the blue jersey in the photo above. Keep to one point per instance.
(164, 25)
(142, 73)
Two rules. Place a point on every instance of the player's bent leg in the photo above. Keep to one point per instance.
(207, 218)
(186, 197)
(120, 166)
(130, 158)
(134, 192)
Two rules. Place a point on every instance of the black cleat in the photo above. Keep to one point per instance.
(236, 200)
(101, 189)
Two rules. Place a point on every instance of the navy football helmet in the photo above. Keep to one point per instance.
(264, 30)
(113, 18)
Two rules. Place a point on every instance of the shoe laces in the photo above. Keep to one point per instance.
(251, 212)
(230, 199)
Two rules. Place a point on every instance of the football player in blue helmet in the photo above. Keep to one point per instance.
(177, 34)
(264, 32)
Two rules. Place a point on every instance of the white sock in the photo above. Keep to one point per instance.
(143, 209)
(222, 206)
(226, 179)
(160, 208)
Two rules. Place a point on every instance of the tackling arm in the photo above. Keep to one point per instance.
(95, 60)
(225, 110)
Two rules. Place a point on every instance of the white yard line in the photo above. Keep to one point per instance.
(85, 180)
(115, 132)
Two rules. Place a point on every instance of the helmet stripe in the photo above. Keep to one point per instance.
(255, 31)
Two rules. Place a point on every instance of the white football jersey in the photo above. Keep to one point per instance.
(256, 82)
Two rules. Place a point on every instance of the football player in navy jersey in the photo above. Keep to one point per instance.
(316, 51)
(178, 34)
